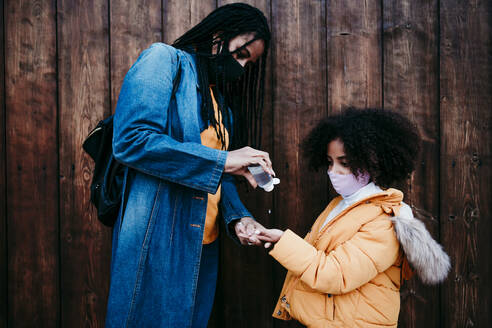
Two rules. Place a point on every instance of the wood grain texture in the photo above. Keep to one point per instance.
(32, 164)
(354, 54)
(84, 99)
(181, 15)
(466, 160)
(411, 87)
(135, 25)
(299, 102)
(3, 186)
(429, 60)
(250, 269)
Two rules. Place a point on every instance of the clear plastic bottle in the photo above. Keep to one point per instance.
(263, 179)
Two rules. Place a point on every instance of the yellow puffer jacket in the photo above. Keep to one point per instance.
(349, 273)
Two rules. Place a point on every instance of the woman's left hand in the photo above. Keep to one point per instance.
(247, 230)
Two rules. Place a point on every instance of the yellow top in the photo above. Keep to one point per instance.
(209, 138)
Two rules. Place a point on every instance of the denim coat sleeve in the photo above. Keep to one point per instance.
(139, 137)
(231, 206)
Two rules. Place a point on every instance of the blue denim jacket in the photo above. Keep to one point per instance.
(157, 239)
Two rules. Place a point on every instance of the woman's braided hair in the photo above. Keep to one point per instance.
(244, 96)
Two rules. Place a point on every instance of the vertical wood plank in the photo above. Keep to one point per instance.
(411, 87)
(135, 25)
(354, 54)
(251, 302)
(32, 164)
(84, 99)
(299, 102)
(466, 174)
(181, 15)
(3, 186)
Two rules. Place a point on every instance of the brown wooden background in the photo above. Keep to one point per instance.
(61, 66)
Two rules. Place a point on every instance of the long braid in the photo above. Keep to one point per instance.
(244, 96)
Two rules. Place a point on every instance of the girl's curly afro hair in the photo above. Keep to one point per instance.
(383, 143)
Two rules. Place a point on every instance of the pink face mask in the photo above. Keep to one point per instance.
(347, 184)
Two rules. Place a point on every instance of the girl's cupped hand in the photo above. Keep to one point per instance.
(269, 236)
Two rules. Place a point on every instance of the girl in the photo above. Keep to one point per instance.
(174, 144)
(348, 270)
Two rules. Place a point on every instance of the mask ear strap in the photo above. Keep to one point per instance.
(221, 45)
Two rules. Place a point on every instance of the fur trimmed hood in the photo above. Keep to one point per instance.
(426, 257)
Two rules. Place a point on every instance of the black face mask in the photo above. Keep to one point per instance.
(224, 66)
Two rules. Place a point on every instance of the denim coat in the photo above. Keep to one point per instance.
(157, 239)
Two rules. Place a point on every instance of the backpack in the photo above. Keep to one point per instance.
(107, 178)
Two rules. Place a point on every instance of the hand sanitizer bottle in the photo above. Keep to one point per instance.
(263, 179)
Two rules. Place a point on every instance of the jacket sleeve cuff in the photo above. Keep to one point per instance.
(293, 252)
(231, 206)
(215, 178)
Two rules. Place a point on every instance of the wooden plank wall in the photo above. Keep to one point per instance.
(3, 186)
(411, 86)
(62, 63)
(466, 176)
(84, 84)
(33, 265)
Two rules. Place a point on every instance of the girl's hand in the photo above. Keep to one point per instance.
(269, 236)
(237, 163)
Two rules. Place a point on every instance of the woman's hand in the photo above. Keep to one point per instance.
(269, 236)
(237, 163)
(247, 230)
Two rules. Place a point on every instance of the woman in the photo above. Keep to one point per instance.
(172, 129)
(348, 270)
